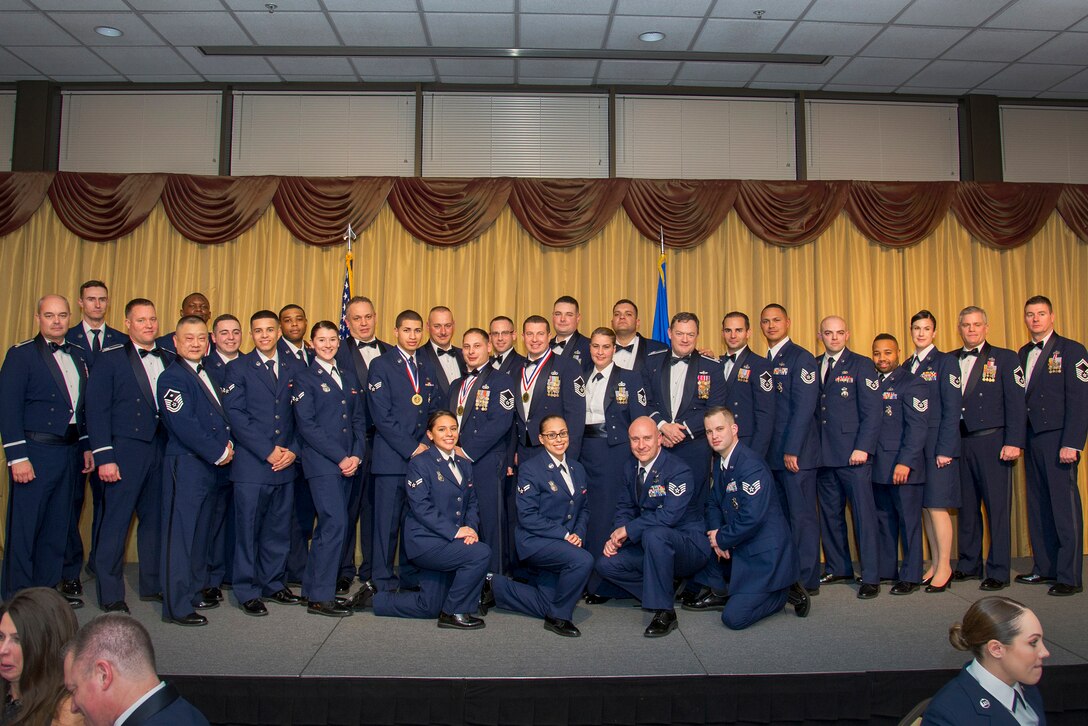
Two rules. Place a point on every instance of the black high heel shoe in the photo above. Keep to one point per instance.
(939, 588)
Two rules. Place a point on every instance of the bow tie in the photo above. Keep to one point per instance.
(199, 368)
(559, 344)
(1039, 345)
(966, 353)
(157, 352)
(683, 359)
(732, 358)
(450, 352)
(360, 344)
(65, 347)
(630, 348)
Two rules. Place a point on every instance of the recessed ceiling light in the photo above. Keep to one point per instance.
(652, 36)
(108, 31)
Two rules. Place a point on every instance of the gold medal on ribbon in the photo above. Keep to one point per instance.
(417, 400)
(460, 410)
(525, 397)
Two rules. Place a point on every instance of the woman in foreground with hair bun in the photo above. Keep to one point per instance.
(999, 685)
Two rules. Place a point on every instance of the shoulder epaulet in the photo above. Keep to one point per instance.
(113, 347)
(659, 351)
(711, 358)
(20, 345)
(77, 345)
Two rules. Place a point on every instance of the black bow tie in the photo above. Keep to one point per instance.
(966, 353)
(199, 368)
(157, 352)
(683, 359)
(54, 347)
(360, 344)
(1039, 345)
(450, 352)
(732, 357)
(630, 348)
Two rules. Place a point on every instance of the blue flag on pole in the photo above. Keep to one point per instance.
(348, 292)
(661, 309)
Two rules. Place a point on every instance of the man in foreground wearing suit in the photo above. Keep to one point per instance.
(109, 670)
(660, 529)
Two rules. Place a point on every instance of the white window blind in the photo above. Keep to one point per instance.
(704, 138)
(480, 135)
(140, 132)
(7, 129)
(883, 141)
(323, 134)
(1041, 144)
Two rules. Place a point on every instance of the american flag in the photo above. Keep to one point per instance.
(348, 292)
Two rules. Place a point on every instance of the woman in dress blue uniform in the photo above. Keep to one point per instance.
(440, 537)
(941, 492)
(332, 425)
(998, 685)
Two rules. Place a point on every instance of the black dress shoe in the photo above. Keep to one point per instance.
(883, 580)
(992, 585)
(487, 598)
(156, 597)
(868, 592)
(1033, 579)
(828, 578)
(798, 597)
(206, 604)
(283, 597)
(191, 620)
(331, 608)
(1063, 590)
(254, 607)
(212, 593)
(707, 601)
(904, 588)
(562, 627)
(460, 621)
(343, 584)
(592, 599)
(74, 602)
(117, 607)
(71, 587)
(960, 575)
(664, 622)
(363, 599)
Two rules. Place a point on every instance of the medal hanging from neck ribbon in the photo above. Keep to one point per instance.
(413, 378)
(527, 383)
(462, 395)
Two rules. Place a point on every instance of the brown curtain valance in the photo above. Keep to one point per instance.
(555, 212)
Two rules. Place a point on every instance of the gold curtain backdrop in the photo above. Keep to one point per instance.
(505, 271)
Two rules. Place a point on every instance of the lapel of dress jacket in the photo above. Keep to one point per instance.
(153, 705)
(212, 398)
(140, 372)
(1045, 353)
(54, 367)
(976, 370)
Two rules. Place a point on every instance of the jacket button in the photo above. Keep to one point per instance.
(277, 417)
(277, 432)
(343, 431)
(458, 513)
(458, 498)
(568, 516)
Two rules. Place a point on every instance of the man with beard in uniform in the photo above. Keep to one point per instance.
(631, 347)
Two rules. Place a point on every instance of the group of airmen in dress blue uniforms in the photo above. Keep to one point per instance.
(591, 468)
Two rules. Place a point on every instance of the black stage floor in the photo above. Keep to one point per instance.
(850, 661)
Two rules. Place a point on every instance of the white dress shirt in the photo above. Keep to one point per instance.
(624, 359)
(448, 364)
(596, 389)
(71, 378)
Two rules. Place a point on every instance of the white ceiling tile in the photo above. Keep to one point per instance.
(494, 30)
(1066, 48)
(198, 28)
(924, 91)
(159, 61)
(828, 38)
(82, 25)
(288, 28)
(998, 45)
(777, 10)
(955, 74)
(32, 29)
(534, 68)
(855, 11)
(392, 6)
(384, 29)
(1030, 76)
(320, 78)
(475, 66)
(1041, 14)
(567, 7)
(636, 71)
(312, 66)
(910, 42)
(242, 78)
(220, 65)
(563, 81)
(964, 13)
(80, 4)
(191, 78)
(177, 6)
(857, 88)
(460, 6)
(741, 36)
(412, 67)
(790, 73)
(9, 65)
(562, 31)
(625, 30)
(723, 72)
(281, 5)
(1076, 84)
(879, 71)
(677, 8)
(475, 80)
(786, 86)
(54, 61)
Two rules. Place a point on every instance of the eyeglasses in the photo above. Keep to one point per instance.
(555, 435)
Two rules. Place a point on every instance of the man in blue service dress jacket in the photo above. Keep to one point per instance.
(1057, 410)
(552, 520)
(45, 442)
(749, 385)
(128, 440)
(747, 530)
(993, 429)
(197, 446)
(849, 420)
(794, 456)
(568, 342)
(660, 528)
(402, 394)
(631, 347)
(548, 385)
(257, 399)
(899, 468)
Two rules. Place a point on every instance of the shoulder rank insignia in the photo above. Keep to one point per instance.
(766, 380)
(113, 347)
(172, 400)
(506, 399)
(808, 377)
(296, 399)
(580, 386)
(374, 386)
(921, 405)
(750, 488)
(642, 394)
(677, 489)
(413, 483)
(22, 343)
(954, 380)
(1082, 370)
(873, 384)
(522, 488)
(1018, 374)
